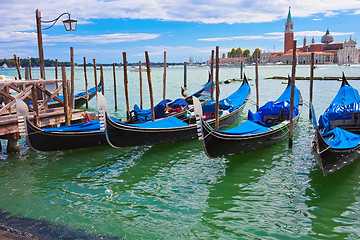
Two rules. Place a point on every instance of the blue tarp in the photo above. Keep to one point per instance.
(347, 100)
(246, 128)
(238, 98)
(341, 139)
(170, 122)
(232, 102)
(91, 126)
(346, 95)
(206, 90)
(274, 107)
(145, 115)
(285, 96)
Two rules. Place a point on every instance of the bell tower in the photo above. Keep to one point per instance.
(288, 33)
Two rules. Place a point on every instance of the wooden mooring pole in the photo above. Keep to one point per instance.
(86, 86)
(141, 93)
(102, 80)
(217, 124)
(17, 63)
(291, 127)
(185, 75)
(241, 69)
(114, 75)
(65, 95)
(95, 77)
(150, 86)
(30, 76)
(126, 87)
(257, 80)
(56, 72)
(311, 83)
(72, 88)
(212, 75)
(164, 77)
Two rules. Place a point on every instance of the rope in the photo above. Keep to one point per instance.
(292, 138)
(306, 104)
(252, 102)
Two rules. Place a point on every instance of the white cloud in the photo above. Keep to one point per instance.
(101, 39)
(20, 14)
(331, 14)
(317, 19)
(29, 39)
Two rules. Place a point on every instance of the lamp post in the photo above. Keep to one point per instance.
(70, 25)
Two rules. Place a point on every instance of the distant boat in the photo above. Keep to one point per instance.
(6, 78)
(4, 66)
(136, 69)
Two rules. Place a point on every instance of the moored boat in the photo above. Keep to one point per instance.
(80, 135)
(337, 135)
(172, 129)
(269, 125)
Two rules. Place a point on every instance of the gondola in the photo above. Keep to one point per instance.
(80, 135)
(172, 129)
(269, 125)
(337, 135)
(169, 108)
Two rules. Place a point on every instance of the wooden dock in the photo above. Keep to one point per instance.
(40, 102)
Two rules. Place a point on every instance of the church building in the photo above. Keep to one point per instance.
(325, 52)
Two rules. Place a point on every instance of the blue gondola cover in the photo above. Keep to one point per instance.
(272, 108)
(341, 139)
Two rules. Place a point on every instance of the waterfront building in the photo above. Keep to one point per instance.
(325, 52)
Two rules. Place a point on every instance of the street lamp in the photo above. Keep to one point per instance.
(70, 25)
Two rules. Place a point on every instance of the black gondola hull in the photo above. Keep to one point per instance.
(41, 140)
(218, 144)
(121, 135)
(331, 160)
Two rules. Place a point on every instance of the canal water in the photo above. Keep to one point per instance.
(174, 191)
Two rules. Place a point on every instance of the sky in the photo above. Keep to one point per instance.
(182, 28)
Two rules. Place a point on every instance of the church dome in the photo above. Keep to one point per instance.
(327, 38)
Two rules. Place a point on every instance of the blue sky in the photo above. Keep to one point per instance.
(183, 29)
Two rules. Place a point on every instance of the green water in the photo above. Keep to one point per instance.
(174, 191)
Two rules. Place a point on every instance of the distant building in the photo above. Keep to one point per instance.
(229, 61)
(326, 51)
(191, 61)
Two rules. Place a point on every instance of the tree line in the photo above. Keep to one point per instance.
(238, 52)
(34, 63)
